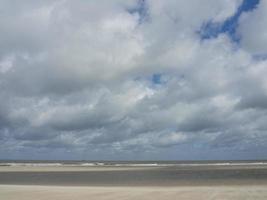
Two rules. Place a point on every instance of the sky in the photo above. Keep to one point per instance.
(133, 79)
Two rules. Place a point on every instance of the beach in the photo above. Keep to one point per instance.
(133, 182)
(15, 192)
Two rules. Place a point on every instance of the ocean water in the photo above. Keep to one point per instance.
(137, 173)
(131, 163)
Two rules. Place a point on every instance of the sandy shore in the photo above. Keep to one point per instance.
(97, 183)
(133, 176)
(18, 192)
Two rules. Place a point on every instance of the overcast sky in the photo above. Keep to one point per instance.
(133, 79)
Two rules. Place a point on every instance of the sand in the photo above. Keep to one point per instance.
(97, 183)
(133, 176)
(18, 192)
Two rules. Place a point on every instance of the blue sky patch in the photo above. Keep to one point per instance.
(156, 78)
(212, 30)
(141, 10)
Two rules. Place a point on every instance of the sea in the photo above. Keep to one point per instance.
(132, 163)
(133, 173)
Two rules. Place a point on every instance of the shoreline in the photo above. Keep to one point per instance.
(134, 176)
(133, 183)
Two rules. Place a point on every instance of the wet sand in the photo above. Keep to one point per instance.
(202, 182)
(135, 176)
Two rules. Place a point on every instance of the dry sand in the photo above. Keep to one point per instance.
(17, 192)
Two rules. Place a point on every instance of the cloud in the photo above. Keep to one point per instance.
(252, 30)
(77, 80)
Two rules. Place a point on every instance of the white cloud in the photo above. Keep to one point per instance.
(253, 31)
(79, 77)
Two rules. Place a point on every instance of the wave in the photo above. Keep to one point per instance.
(99, 164)
(139, 165)
(31, 164)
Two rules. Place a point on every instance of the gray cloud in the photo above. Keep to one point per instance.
(250, 22)
(76, 81)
